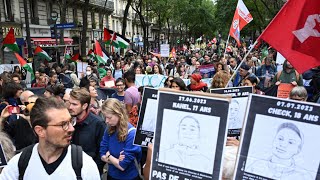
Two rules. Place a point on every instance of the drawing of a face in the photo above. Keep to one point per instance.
(234, 109)
(286, 144)
(189, 132)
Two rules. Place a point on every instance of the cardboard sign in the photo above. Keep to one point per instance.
(109, 84)
(190, 136)
(237, 107)
(284, 90)
(147, 117)
(277, 141)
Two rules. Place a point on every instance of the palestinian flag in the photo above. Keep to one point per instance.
(106, 36)
(67, 55)
(90, 54)
(10, 41)
(114, 40)
(75, 57)
(41, 53)
(119, 42)
(100, 55)
(25, 65)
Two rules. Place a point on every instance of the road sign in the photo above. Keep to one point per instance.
(66, 25)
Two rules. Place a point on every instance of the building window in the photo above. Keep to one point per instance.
(101, 21)
(75, 15)
(49, 11)
(93, 20)
(113, 25)
(33, 12)
(7, 10)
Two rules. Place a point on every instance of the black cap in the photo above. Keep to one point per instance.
(245, 67)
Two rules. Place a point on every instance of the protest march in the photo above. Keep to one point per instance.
(219, 108)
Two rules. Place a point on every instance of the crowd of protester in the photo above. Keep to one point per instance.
(104, 127)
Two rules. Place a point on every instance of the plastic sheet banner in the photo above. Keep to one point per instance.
(157, 81)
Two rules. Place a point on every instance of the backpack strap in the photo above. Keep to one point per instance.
(24, 160)
(76, 158)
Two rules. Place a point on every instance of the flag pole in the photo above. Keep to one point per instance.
(225, 48)
(244, 58)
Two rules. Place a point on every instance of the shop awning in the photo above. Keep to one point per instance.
(49, 41)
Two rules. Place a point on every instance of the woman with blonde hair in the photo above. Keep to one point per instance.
(117, 147)
(7, 146)
(220, 80)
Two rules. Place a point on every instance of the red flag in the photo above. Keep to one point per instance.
(241, 18)
(295, 33)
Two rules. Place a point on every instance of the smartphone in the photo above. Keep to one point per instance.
(14, 109)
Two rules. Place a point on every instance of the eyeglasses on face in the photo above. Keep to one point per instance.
(118, 85)
(65, 124)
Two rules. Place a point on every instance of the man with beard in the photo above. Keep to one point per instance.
(90, 128)
(288, 75)
(51, 158)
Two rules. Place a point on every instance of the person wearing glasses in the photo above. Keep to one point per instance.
(120, 84)
(90, 128)
(51, 157)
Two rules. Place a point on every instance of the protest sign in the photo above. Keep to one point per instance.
(207, 71)
(237, 107)
(284, 90)
(277, 141)
(81, 68)
(3, 160)
(190, 136)
(164, 50)
(147, 117)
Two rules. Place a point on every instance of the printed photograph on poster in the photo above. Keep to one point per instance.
(237, 110)
(286, 152)
(188, 140)
(278, 140)
(237, 106)
(147, 117)
(190, 136)
(149, 120)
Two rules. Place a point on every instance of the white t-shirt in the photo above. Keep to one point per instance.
(64, 171)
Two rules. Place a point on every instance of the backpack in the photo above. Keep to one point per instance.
(67, 80)
(76, 158)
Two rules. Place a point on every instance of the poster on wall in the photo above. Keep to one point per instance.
(190, 136)
(278, 140)
(237, 107)
(147, 117)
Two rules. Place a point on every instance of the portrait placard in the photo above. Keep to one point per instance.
(237, 107)
(147, 117)
(277, 141)
(190, 136)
